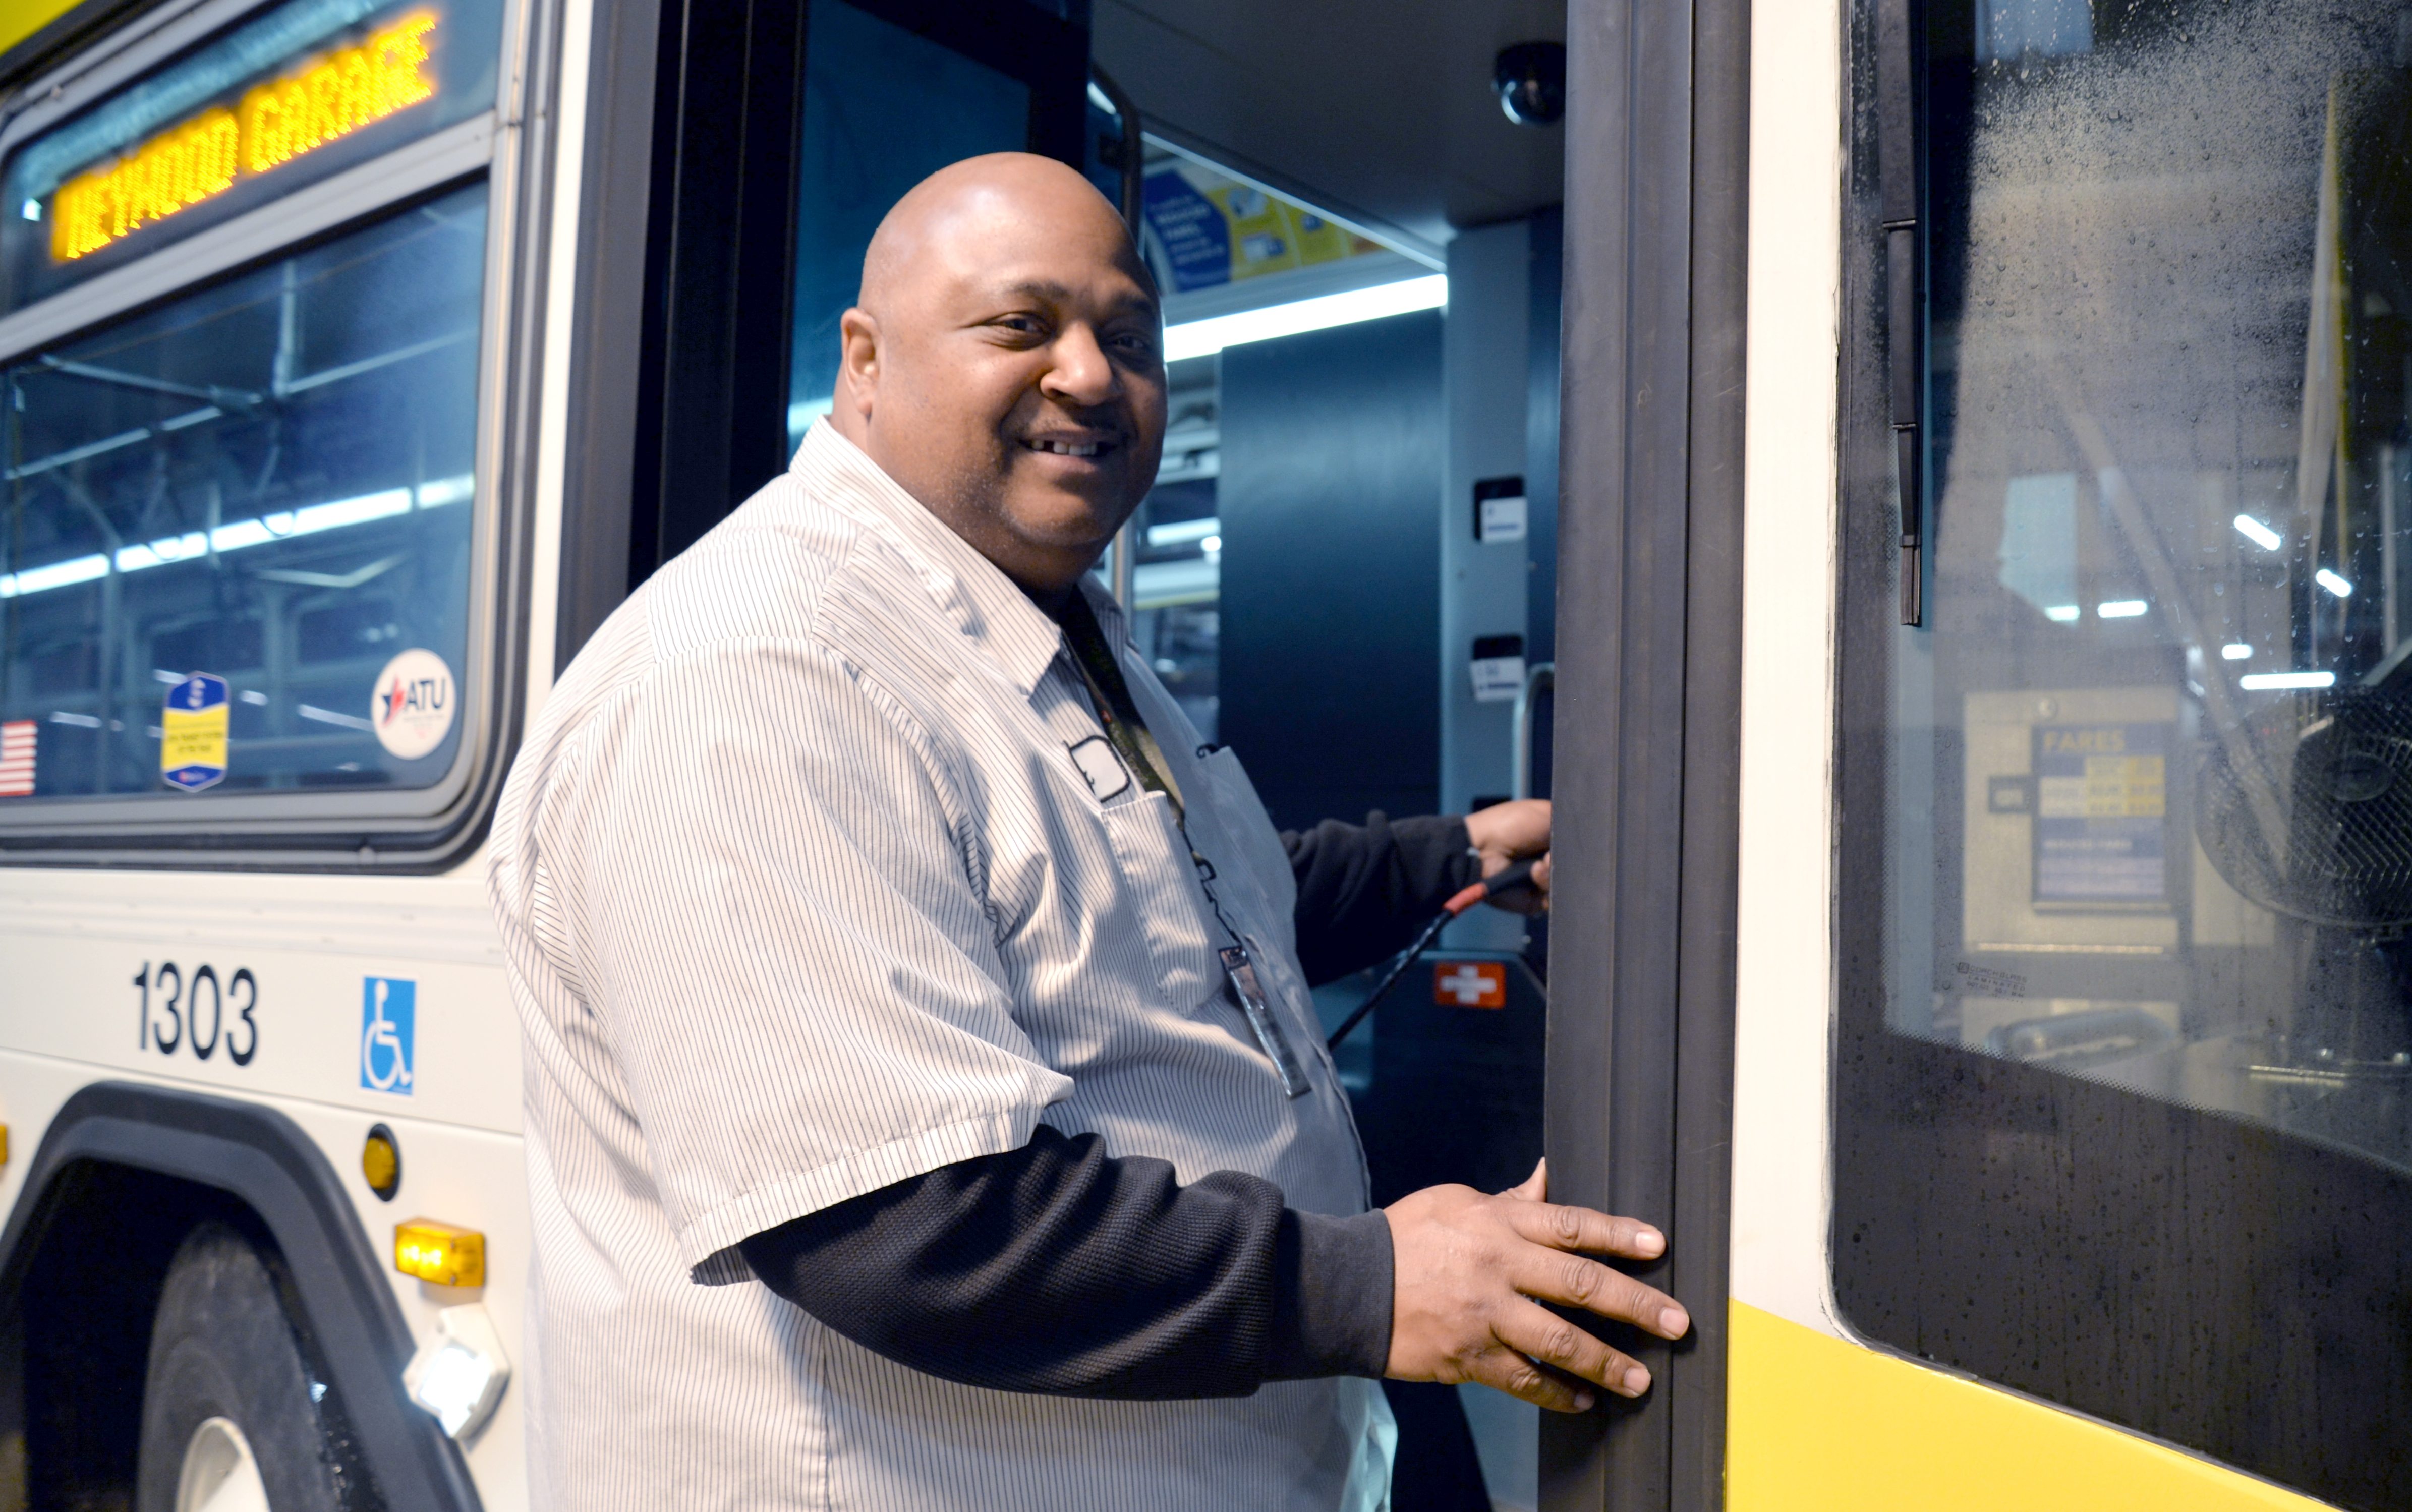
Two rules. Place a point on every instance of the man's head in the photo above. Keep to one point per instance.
(1004, 362)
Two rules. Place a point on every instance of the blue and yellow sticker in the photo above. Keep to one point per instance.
(193, 733)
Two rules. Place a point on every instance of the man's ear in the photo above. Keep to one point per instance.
(858, 370)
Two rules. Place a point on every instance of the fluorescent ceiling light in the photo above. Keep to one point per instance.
(1181, 532)
(2258, 533)
(2257, 682)
(2120, 608)
(2333, 583)
(329, 716)
(1204, 338)
(2235, 650)
(307, 521)
(2063, 613)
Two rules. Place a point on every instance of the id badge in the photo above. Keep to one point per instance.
(1268, 1029)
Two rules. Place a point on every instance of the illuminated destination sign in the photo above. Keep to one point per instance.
(327, 99)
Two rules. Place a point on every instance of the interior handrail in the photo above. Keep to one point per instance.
(1539, 677)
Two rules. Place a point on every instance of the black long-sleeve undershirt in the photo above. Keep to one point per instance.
(1364, 890)
(1056, 1268)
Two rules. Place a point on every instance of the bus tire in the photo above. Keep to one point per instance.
(226, 1396)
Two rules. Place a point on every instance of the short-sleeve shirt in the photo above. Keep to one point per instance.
(817, 873)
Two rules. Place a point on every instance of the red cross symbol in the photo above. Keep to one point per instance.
(1470, 984)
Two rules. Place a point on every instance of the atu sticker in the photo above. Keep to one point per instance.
(411, 707)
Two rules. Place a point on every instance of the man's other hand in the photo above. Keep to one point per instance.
(1468, 1269)
(1506, 833)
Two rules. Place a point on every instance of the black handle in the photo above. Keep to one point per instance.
(1897, 164)
(1507, 880)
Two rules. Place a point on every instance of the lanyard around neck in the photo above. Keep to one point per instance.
(1116, 709)
(1118, 712)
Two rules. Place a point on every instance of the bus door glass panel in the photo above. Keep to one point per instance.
(2149, 772)
(884, 107)
(268, 482)
(2163, 715)
(280, 97)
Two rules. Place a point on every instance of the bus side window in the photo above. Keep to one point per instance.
(256, 501)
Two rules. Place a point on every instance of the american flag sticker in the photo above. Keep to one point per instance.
(16, 758)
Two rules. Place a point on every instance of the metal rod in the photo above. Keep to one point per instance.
(1398, 968)
(1131, 159)
(1538, 677)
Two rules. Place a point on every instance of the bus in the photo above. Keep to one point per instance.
(1923, 486)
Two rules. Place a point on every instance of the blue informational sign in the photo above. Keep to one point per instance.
(2101, 809)
(389, 1021)
(193, 733)
(1192, 229)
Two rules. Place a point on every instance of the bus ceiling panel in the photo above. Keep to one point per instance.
(1647, 699)
(1380, 110)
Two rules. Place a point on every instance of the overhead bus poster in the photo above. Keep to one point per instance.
(293, 93)
(1208, 228)
(2101, 814)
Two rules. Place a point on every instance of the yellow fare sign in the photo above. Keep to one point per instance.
(273, 124)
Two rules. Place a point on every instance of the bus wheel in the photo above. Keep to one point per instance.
(230, 1420)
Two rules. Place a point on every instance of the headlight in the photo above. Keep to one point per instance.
(460, 1373)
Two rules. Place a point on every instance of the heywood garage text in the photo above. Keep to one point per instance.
(272, 125)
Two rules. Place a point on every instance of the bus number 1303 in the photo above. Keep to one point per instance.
(191, 1023)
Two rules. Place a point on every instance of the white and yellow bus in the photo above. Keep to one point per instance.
(1924, 485)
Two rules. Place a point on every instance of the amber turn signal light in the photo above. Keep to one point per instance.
(381, 1161)
(440, 1252)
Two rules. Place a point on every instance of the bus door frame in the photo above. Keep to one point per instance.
(1648, 707)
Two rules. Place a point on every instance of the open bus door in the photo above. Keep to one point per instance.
(739, 155)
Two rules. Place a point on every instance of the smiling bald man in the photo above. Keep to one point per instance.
(925, 1106)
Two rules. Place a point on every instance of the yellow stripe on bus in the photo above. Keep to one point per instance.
(21, 18)
(1817, 1423)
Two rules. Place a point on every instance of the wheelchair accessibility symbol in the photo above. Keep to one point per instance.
(388, 1013)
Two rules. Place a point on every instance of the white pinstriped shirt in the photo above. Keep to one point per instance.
(806, 892)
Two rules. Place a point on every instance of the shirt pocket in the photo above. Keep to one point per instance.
(1161, 882)
(1240, 813)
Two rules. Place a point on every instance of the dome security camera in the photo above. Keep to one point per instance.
(1531, 78)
